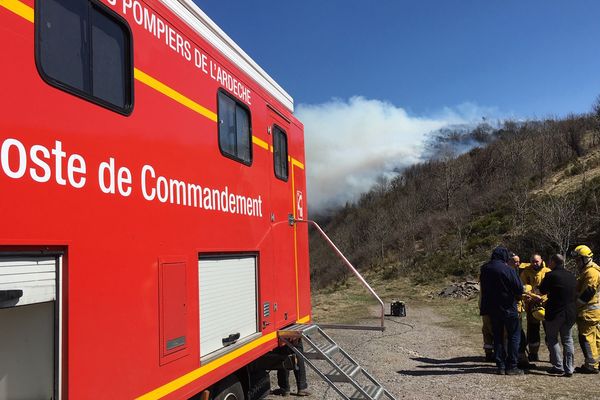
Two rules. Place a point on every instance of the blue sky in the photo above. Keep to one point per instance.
(380, 75)
(523, 57)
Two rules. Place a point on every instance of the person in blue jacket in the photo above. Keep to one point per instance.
(500, 290)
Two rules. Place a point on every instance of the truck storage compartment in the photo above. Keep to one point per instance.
(228, 301)
(27, 327)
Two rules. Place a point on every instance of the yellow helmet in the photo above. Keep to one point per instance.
(583, 251)
(539, 313)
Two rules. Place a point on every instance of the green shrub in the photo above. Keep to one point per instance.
(477, 242)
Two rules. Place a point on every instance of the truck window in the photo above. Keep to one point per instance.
(234, 129)
(85, 49)
(280, 153)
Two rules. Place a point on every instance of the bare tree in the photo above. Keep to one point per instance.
(559, 219)
(382, 185)
(596, 109)
(574, 132)
(405, 214)
(462, 229)
(379, 231)
(542, 147)
(450, 175)
(520, 199)
(596, 119)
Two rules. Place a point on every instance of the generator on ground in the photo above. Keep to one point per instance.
(397, 309)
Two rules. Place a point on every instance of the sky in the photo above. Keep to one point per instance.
(398, 69)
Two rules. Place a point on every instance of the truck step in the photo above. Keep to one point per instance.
(323, 349)
(373, 391)
(349, 372)
(332, 363)
(298, 330)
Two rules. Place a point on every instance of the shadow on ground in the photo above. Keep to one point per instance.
(459, 366)
(450, 366)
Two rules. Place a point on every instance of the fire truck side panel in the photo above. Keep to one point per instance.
(114, 239)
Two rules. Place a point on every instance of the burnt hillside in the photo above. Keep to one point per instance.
(533, 186)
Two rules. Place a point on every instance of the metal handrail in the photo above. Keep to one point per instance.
(354, 271)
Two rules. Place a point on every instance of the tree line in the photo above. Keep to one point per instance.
(530, 185)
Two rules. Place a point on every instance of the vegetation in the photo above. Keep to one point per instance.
(532, 186)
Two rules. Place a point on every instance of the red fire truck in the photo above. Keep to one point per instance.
(150, 174)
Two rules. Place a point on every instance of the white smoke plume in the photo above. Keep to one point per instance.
(349, 144)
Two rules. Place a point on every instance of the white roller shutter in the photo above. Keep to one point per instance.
(228, 304)
(35, 276)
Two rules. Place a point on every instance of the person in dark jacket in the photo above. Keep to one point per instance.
(559, 285)
(283, 375)
(500, 290)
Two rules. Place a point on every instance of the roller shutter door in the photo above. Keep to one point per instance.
(228, 301)
(36, 277)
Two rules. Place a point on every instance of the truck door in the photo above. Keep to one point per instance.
(28, 327)
(285, 279)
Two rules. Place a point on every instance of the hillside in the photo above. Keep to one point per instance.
(532, 186)
(575, 176)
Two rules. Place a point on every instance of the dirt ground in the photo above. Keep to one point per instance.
(425, 356)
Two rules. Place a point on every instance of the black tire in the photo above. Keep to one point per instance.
(229, 388)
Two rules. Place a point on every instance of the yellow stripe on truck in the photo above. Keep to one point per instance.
(21, 9)
(211, 366)
(259, 142)
(173, 94)
(297, 163)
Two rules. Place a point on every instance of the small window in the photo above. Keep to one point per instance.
(280, 153)
(234, 129)
(85, 49)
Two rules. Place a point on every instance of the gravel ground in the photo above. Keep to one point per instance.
(419, 357)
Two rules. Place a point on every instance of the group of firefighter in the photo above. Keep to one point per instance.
(554, 294)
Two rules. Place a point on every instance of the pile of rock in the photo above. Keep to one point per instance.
(461, 290)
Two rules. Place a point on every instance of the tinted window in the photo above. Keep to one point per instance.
(227, 132)
(86, 50)
(234, 129)
(280, 153)
(63, 55)
(243, 134)
(109, 70)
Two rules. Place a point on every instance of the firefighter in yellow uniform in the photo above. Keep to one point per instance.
(488, 336)
(533, 276)
(523, 360)
(588, 309)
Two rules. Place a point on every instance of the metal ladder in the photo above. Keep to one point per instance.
(293, 221)
(343, 374)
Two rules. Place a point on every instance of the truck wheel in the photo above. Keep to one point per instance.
(229, 388)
